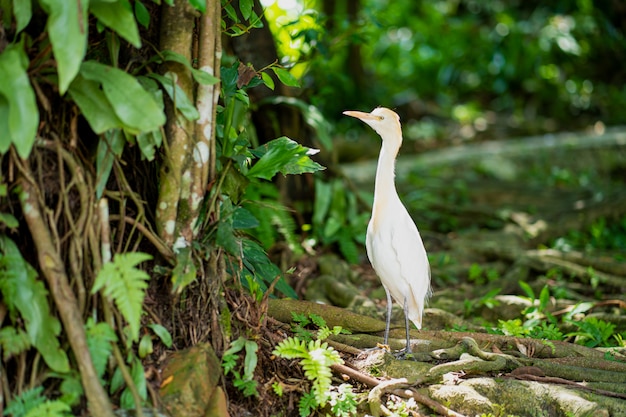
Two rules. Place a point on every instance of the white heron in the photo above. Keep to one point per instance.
(394, 246)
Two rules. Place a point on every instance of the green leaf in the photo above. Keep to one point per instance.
(250, 361)
(178, 96)
(100, 337)
(22, 10)
(71, 389)
(51, 409)
(285, 156)
(5, 132)
(142, 14)
(139, 380)
(243, 219)
(285, 77)
(226, 238)
(544, 298)
(245, 7)
(185, 272)
(94, 105)
(20, 117)
(23, 292)
(125, 284)
(118, 16)
(200, 75)
(13, 342)
(267, 80)
(9, 220)
(145, 346)
(148, 143)
(136, 107)
(162, 333)
(67, 28)
(527, 289)
(259, 264)
(28, 400)
(110, 146)
(199, 5)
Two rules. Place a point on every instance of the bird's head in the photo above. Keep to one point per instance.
(384, 121)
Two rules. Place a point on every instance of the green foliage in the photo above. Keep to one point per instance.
(488, 300)
(300, 322)
(24, 403)
(601, 235)
(265, 218)
(337, 218)
(316, 359)
(67, 28)
(21, 291)
(18, 109)
(100, 337)
(13, 341)
(594, 332)
(282, 155)
(481, 276)
(539, 323)
(243, 381)
(125, 284)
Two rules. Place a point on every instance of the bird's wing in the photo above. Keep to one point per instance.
(414, 268)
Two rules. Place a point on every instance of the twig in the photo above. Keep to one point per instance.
(427, 401)
(160, 246)
(387, 385)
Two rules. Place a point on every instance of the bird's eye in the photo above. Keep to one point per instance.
(381, 117)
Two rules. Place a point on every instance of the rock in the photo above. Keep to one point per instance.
(190, 384)
(521, 398)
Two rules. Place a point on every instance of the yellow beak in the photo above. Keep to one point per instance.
(361, 115)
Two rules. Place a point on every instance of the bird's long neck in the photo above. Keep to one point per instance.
(384, 187)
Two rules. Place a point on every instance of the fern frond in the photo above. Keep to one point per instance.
(25, 402)
(291, 348)
(13, 341)
(23, 292)
(51, 409)
(317, 369)
(125, 285)
(100, 337)
(307, 404)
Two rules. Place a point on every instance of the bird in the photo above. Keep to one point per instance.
(393, 242)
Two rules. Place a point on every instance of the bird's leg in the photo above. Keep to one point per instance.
(408, 350)
(388, 322)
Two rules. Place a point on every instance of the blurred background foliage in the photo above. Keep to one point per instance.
(493, 69)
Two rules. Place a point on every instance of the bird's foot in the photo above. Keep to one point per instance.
(404, 354)
(377, 348)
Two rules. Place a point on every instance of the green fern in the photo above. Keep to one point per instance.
(100, 337)
(316, 359)
(22, 404)
(125, 285)
(21, 291)
(50, 409)
(13, 342)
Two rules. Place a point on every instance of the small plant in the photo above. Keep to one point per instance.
(301, 321)
(243, 381)
(593, 332)
(316, 359)
(488, 300)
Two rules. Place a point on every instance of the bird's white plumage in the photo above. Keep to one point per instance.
(394, 245)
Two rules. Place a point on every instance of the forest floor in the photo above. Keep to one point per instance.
(526, 241)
